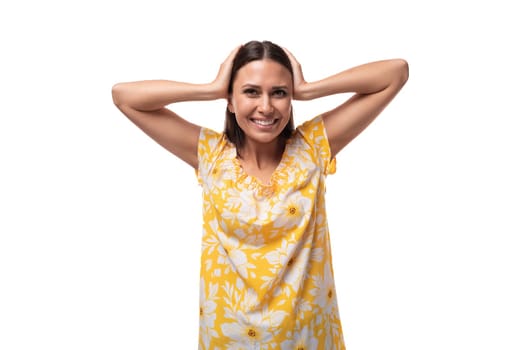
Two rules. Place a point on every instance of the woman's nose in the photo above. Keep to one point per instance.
(265, 105)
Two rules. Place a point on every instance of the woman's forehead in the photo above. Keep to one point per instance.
(264, 71)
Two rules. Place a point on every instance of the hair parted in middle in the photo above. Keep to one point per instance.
(254, 51)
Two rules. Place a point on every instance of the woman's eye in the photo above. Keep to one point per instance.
(250, 92)
(280, 93)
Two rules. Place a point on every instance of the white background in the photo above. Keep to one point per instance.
(100, 227)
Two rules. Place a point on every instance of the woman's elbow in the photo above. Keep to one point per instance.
(117, 93)
(402, 70)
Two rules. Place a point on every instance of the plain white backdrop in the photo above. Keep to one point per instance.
(100, 227)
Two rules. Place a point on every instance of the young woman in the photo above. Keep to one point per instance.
(266, 267)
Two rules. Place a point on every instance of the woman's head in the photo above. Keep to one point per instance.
(260, 94)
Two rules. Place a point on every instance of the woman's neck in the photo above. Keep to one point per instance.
(261, 156)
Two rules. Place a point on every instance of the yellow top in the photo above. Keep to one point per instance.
(266, 266)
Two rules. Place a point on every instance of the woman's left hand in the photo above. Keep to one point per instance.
(299, 84)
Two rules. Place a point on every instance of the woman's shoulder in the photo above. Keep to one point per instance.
(210, 139)
(312, 135)
(311, 130)
(211, 144)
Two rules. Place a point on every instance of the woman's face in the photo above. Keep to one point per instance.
(262, 100)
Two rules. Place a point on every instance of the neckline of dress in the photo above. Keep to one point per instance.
(254, 180)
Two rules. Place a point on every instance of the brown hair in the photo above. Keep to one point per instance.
(254, 51)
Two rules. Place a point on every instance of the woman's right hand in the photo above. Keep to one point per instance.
(221, 82)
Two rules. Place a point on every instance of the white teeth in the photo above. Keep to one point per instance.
(263, 122)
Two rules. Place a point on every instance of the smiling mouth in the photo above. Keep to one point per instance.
(264, 122)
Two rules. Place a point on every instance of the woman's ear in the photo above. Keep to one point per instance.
(230, 106)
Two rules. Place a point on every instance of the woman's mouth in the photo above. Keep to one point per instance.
(264, 122)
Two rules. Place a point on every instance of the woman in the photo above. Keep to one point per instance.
(266, 267)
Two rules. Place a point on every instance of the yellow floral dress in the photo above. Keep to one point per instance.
(266, 266)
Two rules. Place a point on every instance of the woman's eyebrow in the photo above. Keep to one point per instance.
(258, 86)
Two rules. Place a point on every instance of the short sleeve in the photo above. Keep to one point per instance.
(314, 133)
(208, 147)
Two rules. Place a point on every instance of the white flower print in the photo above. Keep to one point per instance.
(296, 269)
(255, 327)
(251, 298)
(207, 315)
(324, 290)
(326, 302)
(216, 257)
(317, 254)
(291, 213)
(303, 306)
(247, 206)
(302, 340)
(244, 331)
(238, 258)
(279, 257)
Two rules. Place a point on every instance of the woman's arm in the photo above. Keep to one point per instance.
(375, 84)
(144, 103)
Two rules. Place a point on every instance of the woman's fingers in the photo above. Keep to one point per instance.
(223, 77)
(298, 78)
